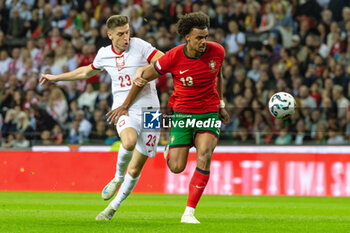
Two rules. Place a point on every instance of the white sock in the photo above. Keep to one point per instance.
(124, 191)
(189, 210)
(124, 157)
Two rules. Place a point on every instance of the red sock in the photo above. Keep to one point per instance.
(196, 187)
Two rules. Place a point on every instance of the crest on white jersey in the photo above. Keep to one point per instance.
(120, 61)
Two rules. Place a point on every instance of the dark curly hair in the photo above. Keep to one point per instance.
(192, 20)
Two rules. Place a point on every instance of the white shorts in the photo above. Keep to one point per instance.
(146, 141)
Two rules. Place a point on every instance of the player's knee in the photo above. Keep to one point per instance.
(205, 153)
(177, 168)
(129, 144)
(134, 171)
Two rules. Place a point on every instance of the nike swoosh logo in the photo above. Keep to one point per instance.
(181, 72)
(200, 187)
(104, 190)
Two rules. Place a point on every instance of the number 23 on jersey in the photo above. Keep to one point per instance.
(125, 81)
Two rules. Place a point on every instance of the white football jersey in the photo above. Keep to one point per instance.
(122, 67)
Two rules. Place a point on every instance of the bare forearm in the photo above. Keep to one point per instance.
(140, 70)
(150, 73)
(134, 91)
(143, 68)
(80, 73)
(219, 82)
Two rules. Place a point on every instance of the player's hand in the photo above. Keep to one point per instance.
(223, 115)
(45, 78)
(140, 82)
(114, 114)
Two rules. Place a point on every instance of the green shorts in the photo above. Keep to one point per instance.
(185, 126)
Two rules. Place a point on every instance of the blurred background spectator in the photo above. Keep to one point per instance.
(301, 47)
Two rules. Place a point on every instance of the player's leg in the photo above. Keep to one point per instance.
(128, 136)
(181, 140)
(131, 178)
(205, 144)
(205, 141)
(134, 170)
(177, 158)
(146, 146)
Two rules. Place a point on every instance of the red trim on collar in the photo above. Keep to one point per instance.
(115, 51)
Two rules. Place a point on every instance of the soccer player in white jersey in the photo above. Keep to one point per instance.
(121, 60)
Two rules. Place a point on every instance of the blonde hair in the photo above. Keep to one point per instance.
(116, 21)
(53, 94)
(22, 125)
(338, 88)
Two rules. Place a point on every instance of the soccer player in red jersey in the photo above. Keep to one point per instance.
(196, 99)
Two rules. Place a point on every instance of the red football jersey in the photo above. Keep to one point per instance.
(194, 78)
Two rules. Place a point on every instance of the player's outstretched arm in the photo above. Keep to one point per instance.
(148, 74)
(80, 73)
(138, 76)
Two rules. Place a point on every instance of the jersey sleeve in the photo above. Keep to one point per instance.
(147, 50)
(97, 63)
(163, 65)
(220, 50)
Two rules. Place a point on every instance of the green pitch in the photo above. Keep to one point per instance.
(75, 212)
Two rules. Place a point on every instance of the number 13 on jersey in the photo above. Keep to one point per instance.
(187, 81)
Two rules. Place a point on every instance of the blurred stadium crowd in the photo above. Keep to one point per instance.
(298, 46)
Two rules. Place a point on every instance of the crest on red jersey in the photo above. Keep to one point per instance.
(120, 61)
(212, 65)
